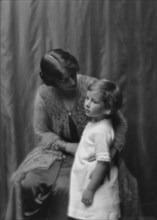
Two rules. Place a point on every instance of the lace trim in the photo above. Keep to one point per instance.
(103, 157)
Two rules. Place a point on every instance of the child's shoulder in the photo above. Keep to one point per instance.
(104, 123)
(104, 131)
(103, 126)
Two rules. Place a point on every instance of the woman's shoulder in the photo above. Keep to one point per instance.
(46, 96)
(45, 91)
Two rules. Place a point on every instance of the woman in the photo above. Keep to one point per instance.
(41, 184)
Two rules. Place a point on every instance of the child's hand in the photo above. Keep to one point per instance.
(91, 158)
(87, 197)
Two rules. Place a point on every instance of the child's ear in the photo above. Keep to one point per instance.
(108, 108)
(107, 112)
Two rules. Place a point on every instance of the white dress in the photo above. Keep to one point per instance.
(95, 141)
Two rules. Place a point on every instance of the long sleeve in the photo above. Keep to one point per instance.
(120, 128)
(42, 122)
(47, 139)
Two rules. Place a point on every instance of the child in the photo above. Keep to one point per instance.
(92, 197)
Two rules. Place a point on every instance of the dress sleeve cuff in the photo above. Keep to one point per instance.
(103, 157)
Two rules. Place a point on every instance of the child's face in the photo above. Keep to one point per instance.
(94, 106)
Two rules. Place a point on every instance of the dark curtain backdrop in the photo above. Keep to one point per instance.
(114, 39)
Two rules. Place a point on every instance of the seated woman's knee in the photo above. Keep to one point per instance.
(30, 180)
(62, 186)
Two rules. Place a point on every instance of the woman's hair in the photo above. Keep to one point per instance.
(55, 64)
(109, 93)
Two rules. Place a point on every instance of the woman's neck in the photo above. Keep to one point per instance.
(68, 95)
(69, 100)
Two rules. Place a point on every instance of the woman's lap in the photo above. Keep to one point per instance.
(57, 209)
(46, 191)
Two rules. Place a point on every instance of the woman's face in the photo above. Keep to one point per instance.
(68, 83)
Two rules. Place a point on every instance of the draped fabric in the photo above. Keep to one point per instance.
(116, 40)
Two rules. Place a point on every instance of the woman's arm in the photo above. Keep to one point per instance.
(48, 138)
(95, 182)
(41, 123)
(120, 128)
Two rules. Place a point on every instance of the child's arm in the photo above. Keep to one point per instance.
(96, 180)
(120, 128)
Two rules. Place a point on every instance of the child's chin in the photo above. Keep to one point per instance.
(88, 114)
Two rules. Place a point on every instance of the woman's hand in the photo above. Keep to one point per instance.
(66, 147)
(87, 197)
(61, 146)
